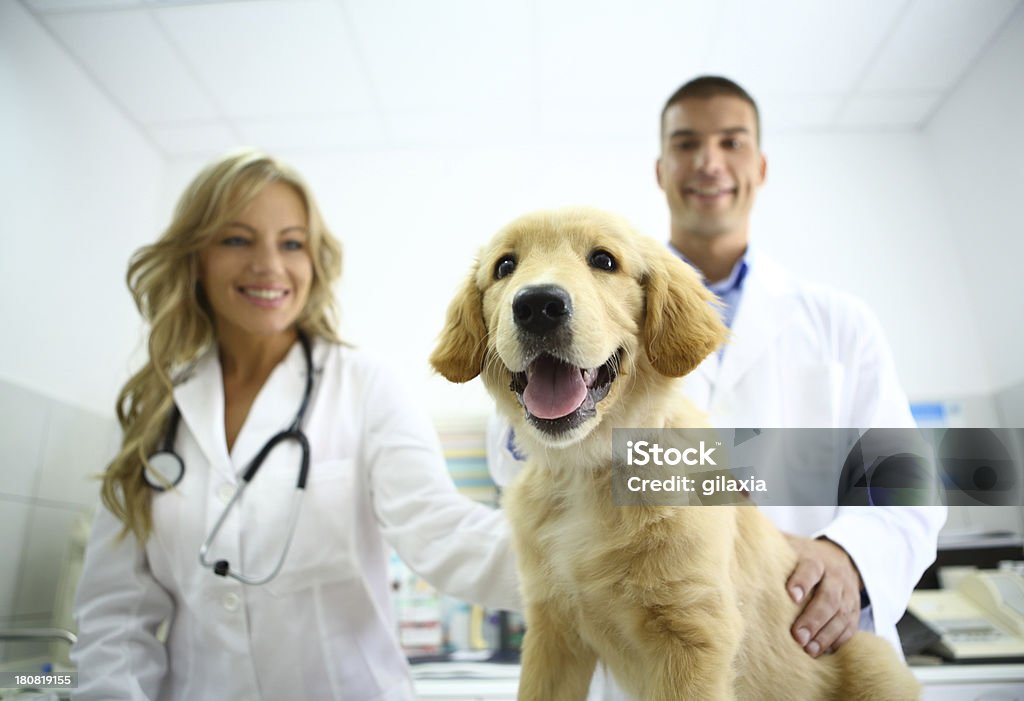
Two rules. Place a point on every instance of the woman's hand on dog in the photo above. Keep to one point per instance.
(832, 615)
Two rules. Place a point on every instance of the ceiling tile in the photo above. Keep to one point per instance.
(56, 6)
(194, 139)
(590, 122)
(271, 58)
(935, 43)
(589, 51)
(799, 46)
(788, 112)
(463, 125)
(357, 131)
(890, 110)
(128, 54)
(448, 54)
(373, 73)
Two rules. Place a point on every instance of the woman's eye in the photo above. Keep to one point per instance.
(293, 245)
(505, 266)
(234, 241)
(602, 260)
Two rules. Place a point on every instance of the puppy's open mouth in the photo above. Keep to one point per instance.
(558, 396)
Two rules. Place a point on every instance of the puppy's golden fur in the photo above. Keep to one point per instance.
(678, 602)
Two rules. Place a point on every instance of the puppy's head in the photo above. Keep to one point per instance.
(565, 312)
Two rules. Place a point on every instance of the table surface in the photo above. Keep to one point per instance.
(481, 679)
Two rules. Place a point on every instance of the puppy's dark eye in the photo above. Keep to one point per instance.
(602, 260)
(505, 266)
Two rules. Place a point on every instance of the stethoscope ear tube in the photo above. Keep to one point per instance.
(222, 568)
(304, 467)
(291, 434)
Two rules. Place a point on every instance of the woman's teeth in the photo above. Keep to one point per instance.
(264, 294)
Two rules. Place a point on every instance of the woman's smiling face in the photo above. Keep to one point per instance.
(257, 271)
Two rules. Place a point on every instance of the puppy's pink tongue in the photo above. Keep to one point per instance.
(553, 389)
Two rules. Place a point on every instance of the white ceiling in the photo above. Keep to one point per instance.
(199, 76)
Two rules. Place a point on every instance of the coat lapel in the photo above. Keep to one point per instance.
(200, 399)
(273, 409)
(766, 308)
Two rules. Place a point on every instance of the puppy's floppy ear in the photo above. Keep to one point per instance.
(459, 355)
(681, 325)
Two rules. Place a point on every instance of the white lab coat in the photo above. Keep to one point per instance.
(804, 356)
(323, 628)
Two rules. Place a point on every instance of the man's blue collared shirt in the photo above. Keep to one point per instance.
(728, 290)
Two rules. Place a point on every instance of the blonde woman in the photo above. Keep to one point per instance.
(289, 599)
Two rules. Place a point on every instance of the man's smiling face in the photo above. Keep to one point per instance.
(710, 166)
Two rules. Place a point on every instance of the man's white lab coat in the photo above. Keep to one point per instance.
(804, 356)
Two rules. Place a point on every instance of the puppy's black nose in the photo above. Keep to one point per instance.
(541, 308)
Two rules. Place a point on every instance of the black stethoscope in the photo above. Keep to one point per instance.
(165, 469)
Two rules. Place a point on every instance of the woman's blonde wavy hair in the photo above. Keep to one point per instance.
(164, 281)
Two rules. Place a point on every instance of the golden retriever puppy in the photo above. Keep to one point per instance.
(578, 325)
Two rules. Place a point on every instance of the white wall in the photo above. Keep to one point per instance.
(858, 211)
(976, 149)
(80, 187)
(70, 163)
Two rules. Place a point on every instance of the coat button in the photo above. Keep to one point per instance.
(230, 601)
(225, 492)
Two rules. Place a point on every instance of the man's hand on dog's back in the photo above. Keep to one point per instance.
(826, 572)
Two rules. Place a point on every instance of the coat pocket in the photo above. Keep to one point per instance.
(812, 395)
(321, 548)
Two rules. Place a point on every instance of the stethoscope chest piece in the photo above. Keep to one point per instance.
(163, 470)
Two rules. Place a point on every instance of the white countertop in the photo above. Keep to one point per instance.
(466, 681)
(482, 681)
